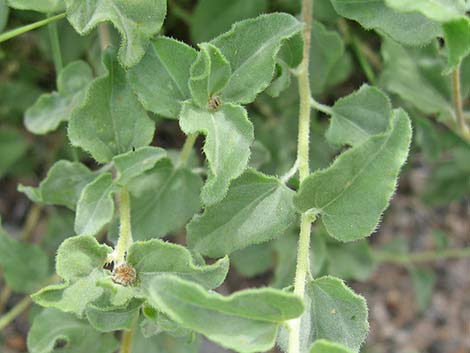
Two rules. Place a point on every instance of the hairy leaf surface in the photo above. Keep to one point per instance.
(46, 6)
(324, 346)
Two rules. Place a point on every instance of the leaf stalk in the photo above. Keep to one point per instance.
(18, 31)
(125, 231)
(22, 305)
(458, 105)
(55, 46)
(187, 148)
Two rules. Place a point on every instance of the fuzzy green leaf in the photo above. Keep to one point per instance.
(229, 135)
(163, 200)
(95, 208)
(213, 17)
(457, 38)
(53, 108)
(437, 10)
(62, 186)
(209, 74)
(332, 312)
(360, 115)
(136, 21)
(352, 193)
(164, 343)
(134, 163)
(246, 321)
(251, 47)
(253, 260)
(46, 6)
(161, 78)
(52, 326)
(324, 346)
(256, 209)
(25, 266)
(407, 28)
(105, 320)
(154, 257)
(111, 121)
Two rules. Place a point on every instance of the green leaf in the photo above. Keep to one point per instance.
(113, 320)
(457, 38)
(156, 323)
(253, 260)
(134, 163)
(111, 120)
(4, 12)
(46, 6)
(53, 108)
(209, 74)
(25, 266)
(407, 28)
(333, 312)
(213, 17)
(137, 22)
(251, 47)
(51, 327)
(352, 193)
(415, 75)
(154, 257)
(437, 10)
(256, 209)
(161, 78)
(246, 321)
(78, 256)
(326, 51)
(62, 186)
(324, 346)
(229, 135)
(163, 200)
(95, 208)
(13, 146)
(164, 343)
(358, 116)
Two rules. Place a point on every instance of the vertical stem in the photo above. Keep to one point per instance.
(15, 312)
(104, 35)
(303, 260)
(125, 232)
(55, 46)
(126, 341)
(458, 105)
(32, 220)
(187, 148)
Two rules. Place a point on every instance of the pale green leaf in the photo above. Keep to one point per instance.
(156, 323)
(229, 135)
(161, 78)
(457, 38)
(352, 193)
(209, 75)
(52, 326)
(46, 6)
(154, 257)
(136, 21)
(164, 343)
(95, 207)
(111, 121)
(407, 28)
(437, 10)
(281, 80)
(256, 209)
(53, 108)
(213, 17)
(163, 200)
(253, 260)
(4, 12)
(134, 163)
(62, 186)
(251, 47)
(324, 346)
(358, 116)
(25, 266)
(246, 321)
(332, 312)
(113, 320)
(13, 146)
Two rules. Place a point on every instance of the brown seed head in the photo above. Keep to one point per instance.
(124, 274)
(214, 103)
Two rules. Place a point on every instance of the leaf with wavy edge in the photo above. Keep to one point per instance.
(45, 6)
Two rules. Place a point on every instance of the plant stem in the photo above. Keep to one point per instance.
(125, 231)
(291, 172)
(423, 256)
(363, 63)
(4, 296)
(187, 148)
(32, 220)
(55, 46)
(321, 107)
(127, 337)
(104, 35)
(18, 31)
(458, 105)
(15, 312)
(303, 260)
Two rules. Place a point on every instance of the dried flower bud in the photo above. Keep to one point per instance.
(124, 274)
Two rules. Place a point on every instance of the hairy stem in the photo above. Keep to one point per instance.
(104, 35)
(303, 261)
(321, 107)
(125, 231)
(18, 31)
(187, 148)
(423, 256)
(127, 337)
(458, 105)
(15, 312)
(55, 46)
